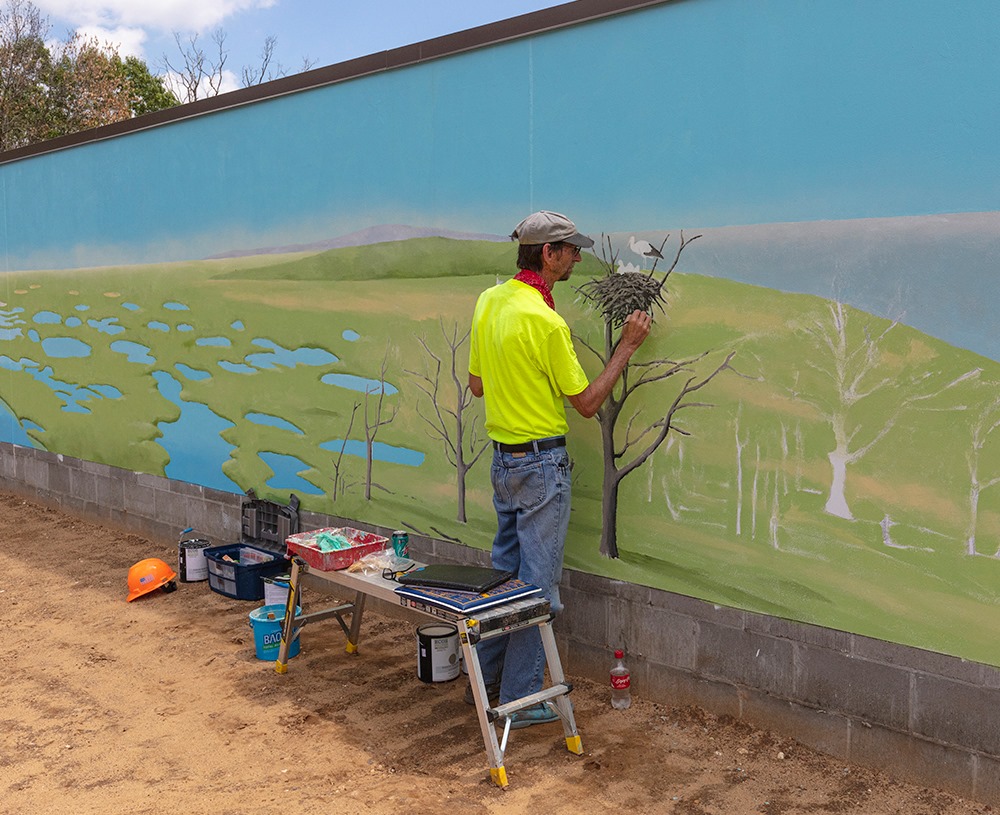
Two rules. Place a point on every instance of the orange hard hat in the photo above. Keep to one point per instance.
(149, 575)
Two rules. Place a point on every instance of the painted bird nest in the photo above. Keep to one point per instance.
(618, 294)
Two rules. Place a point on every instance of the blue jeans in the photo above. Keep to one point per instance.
(531, 494)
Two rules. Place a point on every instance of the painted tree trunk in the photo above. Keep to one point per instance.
(836, 504)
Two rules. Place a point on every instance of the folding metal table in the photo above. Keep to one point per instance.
(473, 628)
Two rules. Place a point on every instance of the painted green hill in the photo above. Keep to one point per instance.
(416, 258)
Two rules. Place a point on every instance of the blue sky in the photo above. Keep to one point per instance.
(323, 31)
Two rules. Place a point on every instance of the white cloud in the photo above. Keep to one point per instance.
(162, 15)
(129, 41)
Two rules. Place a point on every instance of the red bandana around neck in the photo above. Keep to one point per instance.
(536, 281)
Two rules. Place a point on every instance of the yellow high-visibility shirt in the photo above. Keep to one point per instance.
(523, 352)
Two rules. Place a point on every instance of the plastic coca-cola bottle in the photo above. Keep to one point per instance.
(621, 695)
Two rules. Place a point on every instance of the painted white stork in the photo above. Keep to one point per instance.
(643, 249)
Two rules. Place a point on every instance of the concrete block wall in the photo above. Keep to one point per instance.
(920, 716)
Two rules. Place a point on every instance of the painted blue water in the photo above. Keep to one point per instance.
(65, 347)
(194, 442)
(194, 374)
(71, 394)
(351, 336)
(107, 391)
(214, 342)
(286, 474)
(236, 367)
(288, 358)
(107, 326)
(9, 333)
(272, 421)
(33, 335)
(380, 452)
(156, 325)
(47, 318)
(83, 307)
(130, 306)
(358, 383)
(74, 322)
(185, 327)
(237, 325)
(134, 351)
(172, 306)
(13, 431)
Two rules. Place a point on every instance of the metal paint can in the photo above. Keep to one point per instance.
(191, 563)
(437, 652)
(401, 543)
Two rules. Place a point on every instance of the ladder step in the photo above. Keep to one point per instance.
(501, 711)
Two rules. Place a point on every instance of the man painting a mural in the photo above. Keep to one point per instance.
(523, 365)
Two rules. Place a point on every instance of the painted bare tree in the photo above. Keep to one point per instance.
(984, 425)
(617, 294)
(375, 418)
(339, 481)
(450, 398)
(871, 384)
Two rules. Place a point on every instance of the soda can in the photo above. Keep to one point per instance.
(401, 543)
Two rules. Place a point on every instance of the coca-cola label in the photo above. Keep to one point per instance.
(620, 682)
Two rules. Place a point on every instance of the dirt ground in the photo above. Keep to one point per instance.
(160, 706)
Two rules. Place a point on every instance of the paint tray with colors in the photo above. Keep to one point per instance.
(333, 548)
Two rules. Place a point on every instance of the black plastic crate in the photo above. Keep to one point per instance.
(238, 570)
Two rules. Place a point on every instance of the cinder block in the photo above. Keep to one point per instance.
(83, 485)
(957, 713)
(876, 693)
(585, 617)
(663, 636)
(912, 759)
(828, 733)
(110, 493)
(917, 659)
(986, 781)
(699, 609)
(799, 632)
(745, 658)
(661, 683)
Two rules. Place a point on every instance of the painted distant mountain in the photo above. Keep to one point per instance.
(937, 273)
(383, 233)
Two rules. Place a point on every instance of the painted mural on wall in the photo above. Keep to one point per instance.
(812, 430)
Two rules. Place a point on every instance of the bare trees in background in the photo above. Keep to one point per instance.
(196, 73)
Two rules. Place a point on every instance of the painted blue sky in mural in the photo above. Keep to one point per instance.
(884, 135)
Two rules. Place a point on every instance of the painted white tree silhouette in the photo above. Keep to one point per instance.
(870, 386)
(983, 427)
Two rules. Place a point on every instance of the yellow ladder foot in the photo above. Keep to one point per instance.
(574, 745)
(351, 648)
(281, 667)
(499, 776)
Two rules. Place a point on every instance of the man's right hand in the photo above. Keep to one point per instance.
(636, 329)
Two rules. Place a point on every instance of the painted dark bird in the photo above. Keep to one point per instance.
(643, 248)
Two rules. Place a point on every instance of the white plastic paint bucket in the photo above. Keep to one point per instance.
(276, 590)
(437, 652)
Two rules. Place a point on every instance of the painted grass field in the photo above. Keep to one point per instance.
(736, 510)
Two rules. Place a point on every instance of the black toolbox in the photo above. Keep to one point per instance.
(238, 569)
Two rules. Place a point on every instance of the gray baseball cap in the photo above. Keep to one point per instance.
(549, 227)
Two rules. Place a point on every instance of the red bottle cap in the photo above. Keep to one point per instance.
(619, 654)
